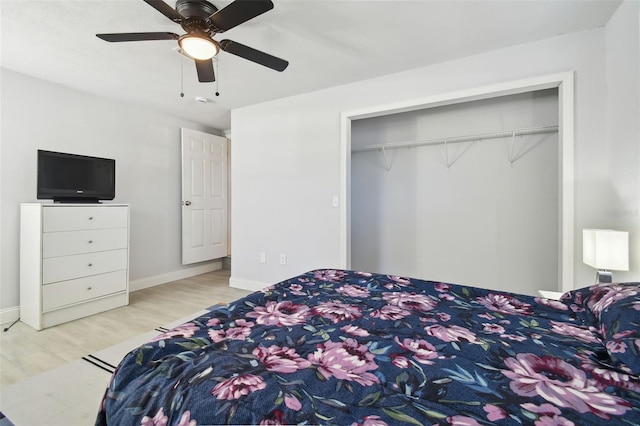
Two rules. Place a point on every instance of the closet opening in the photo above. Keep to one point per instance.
(470, 188)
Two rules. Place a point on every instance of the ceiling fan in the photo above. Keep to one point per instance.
(201, 20)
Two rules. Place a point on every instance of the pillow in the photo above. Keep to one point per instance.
(616, 311)
(577, 301)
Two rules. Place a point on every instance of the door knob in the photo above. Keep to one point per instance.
(187, 203)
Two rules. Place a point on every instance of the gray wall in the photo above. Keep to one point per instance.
(146, 146)
(482, 221)
(286, 164)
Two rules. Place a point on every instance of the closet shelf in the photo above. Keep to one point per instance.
(456, 139)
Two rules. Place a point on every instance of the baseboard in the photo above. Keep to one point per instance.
(247, 284)
(174, 275)
(9, 314)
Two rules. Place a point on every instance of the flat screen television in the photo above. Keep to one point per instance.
(75, 178)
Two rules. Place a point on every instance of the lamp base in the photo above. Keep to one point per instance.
(603, 276)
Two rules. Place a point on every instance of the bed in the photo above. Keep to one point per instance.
(355, 348)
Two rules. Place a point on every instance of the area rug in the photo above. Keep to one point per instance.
(70, 395)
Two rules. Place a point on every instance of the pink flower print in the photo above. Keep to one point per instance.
(280, 313)
(462, 421)
(237, 387)
(616, 346)
(624, 334)
(441, 287)
(486, 316)
(493, 328)
(571, 330)
(390, 312)
(605, 377)
(446, 296)
(577, 297)
(550, 415)
(217, 336)
(370, 421)
(505, 304)
(405, 300)
(297, 290)
(354, 331)
(399, 361)
(276, 419)
(241, 331)
(329, 275)
(513, 337)
(213, 322)
(292, 402)
(185, 420)
(576, 308)
(353, 291)
(605, 296)
(494, 412)
(554, 304)
(402, 281)
(185, 330)
(280, 359)
(346, 360)
(423, 351)
(453, 333)
(547, 409)
(158, 420)
(337, 311)
(561, 384)
(443, 316)
(553, 421)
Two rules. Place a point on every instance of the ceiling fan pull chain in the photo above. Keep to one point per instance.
(181, 78)
(217, 79)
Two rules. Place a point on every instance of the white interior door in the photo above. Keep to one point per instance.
(204, 196)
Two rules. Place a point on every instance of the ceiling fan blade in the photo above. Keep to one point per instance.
(205, 70)
(254, 55)
(165, 9)
(238, 12)
(137, 36)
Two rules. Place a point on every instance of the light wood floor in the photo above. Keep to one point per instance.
(25, 352)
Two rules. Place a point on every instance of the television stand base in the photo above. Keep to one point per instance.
(72, 200)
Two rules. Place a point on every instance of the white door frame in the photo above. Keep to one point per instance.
(562, 81)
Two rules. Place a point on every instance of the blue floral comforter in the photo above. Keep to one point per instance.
(355, 348)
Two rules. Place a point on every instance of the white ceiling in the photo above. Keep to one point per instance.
(327, 43)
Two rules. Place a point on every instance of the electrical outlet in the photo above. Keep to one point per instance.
(336, 201)
(263, 257)
(283, 259)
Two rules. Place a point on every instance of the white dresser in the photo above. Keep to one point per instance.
(74, 261)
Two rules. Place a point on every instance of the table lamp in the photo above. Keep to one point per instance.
(606, 250)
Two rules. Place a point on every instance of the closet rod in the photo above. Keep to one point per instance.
(455, 139)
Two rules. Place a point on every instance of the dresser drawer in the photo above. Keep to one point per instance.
(77, 242)
(82, 289)
(78, 218)
(64, 268)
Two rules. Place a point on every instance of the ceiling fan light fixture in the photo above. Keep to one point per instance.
(198, 46)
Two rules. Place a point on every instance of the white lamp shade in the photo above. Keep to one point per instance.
(606, 249)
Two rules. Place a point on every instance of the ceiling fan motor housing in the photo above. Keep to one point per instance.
(199, 9)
